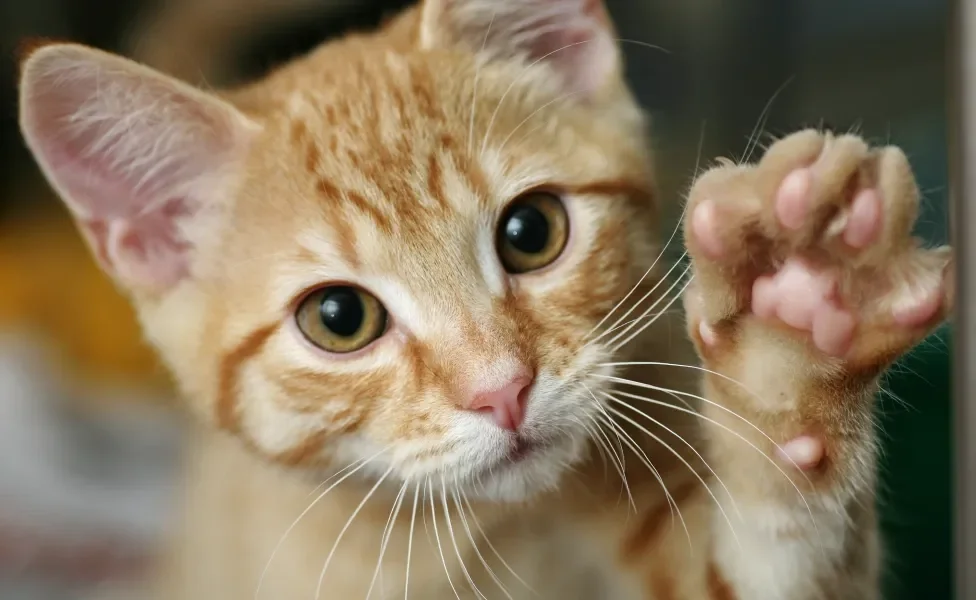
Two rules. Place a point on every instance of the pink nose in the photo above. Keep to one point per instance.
(506, 404)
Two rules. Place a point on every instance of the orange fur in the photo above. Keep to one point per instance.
(386, 160)
(42, 262)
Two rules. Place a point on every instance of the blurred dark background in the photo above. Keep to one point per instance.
(730, 69)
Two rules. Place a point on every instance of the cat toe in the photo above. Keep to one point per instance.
(792, 204)
(705, 228)
(864, 220)
(805, 452)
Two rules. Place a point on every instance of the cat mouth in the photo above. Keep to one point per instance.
(525, 465)
(521, 449)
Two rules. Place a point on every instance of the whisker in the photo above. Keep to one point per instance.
(604, 421)
(494, 115)
(605, 442)
(650, 269)
(615, 459)
(622, 470)
(651, 363)
(474, 544)
(640, 318)
(618, 345)
(413, 520)
(617, 448)
(761, 123)
(284, 536)
(726, 428)
(457, 551)
(531, 19)
(437, 536)
(527, 70)
(898, 399)
(484, 536)
(684, 402)
(686, 442)
(698, 155)
(474, 91)
(642, 456)
(677, 455)
(696, 397)
(534, 33)
(528, 134)
(532, 114)
(333, 476)
(342, 532)
(647, 295)
(591, 433)
(387, 533)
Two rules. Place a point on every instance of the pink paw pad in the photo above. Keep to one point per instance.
(803, 298)
(830, 280)
(793, 199)
(804, 451)
(704, 224)
(865, 220)
(862, 222)
(707, 334)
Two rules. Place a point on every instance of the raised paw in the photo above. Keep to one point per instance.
(816, 239)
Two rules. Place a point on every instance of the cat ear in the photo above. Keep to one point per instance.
(574, 37)
(134, 155)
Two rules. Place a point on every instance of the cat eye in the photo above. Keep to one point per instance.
(341, 318)
(532, 232)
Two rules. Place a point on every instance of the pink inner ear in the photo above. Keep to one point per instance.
(110, 162)
(148, 247)
(574, 37)
(116, 197)
(578, 51)
(130, 153)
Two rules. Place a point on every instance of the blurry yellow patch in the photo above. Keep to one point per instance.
(51, 285)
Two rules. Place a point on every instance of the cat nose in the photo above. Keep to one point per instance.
(506, 403)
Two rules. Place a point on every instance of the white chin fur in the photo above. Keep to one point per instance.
(538, 473)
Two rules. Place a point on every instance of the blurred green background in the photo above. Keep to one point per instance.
(877, 66)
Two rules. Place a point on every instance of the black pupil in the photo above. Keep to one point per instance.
(527, 229)
(342, 311)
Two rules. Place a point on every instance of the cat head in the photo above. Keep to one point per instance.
(391, 252)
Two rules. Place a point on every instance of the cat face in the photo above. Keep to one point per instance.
(395, 252)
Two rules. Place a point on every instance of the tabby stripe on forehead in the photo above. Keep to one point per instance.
(301, 137)
(422, 87)
(312, 157)
(435, 181)
(345, 236)
(470, 169)
(230, 366)
(334, 194)
(299, 132)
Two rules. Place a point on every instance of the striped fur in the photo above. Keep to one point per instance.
(385, 160)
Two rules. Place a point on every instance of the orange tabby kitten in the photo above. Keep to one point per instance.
(413, 262)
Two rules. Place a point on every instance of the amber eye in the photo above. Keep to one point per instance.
(532, 232)
(341, 318)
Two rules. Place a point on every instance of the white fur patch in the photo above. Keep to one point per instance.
(779, 554)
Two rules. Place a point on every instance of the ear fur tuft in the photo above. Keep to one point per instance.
(575, 38)
(131, 152)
